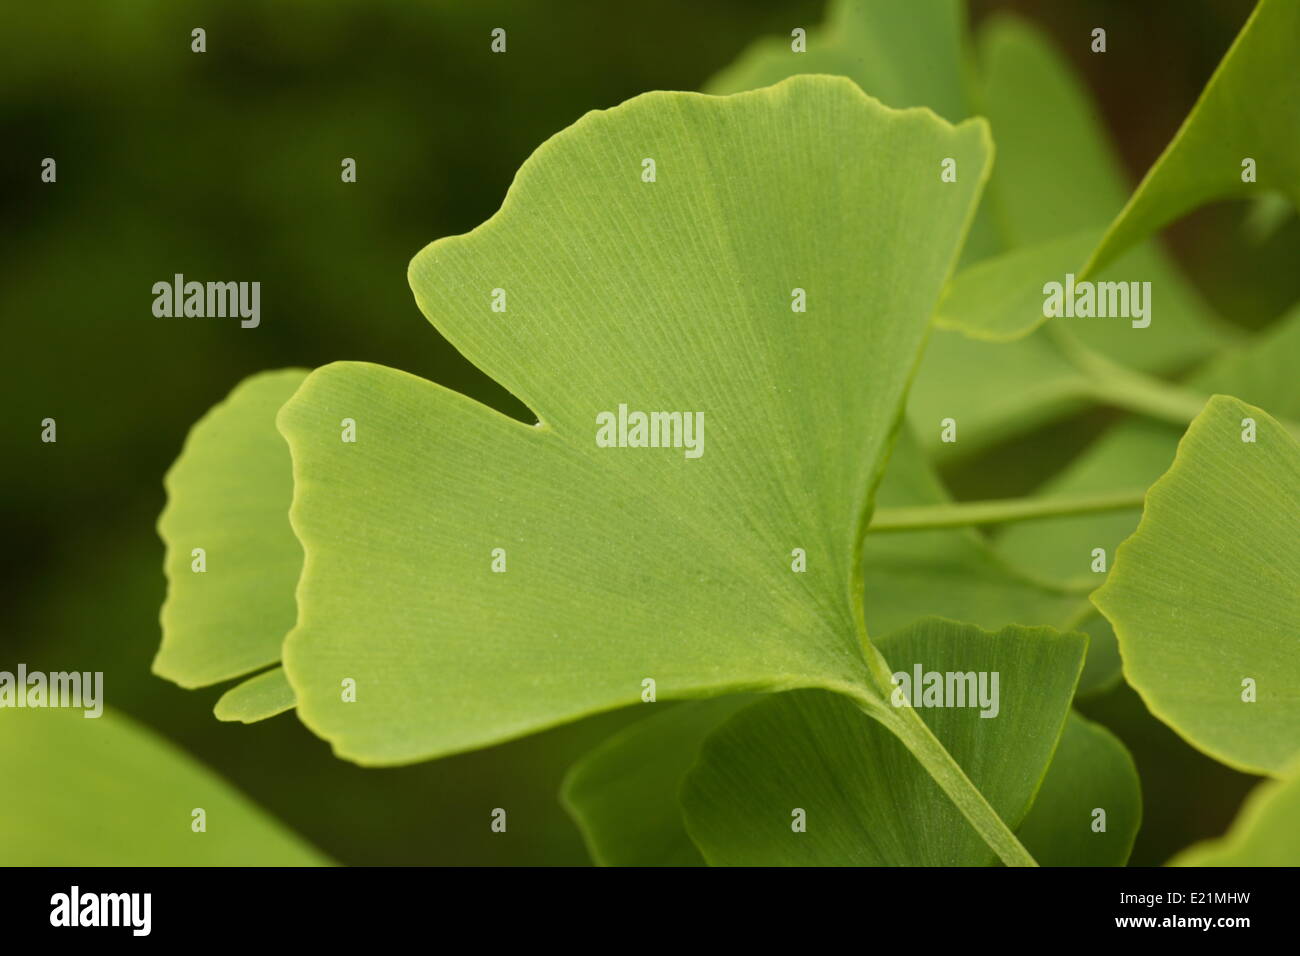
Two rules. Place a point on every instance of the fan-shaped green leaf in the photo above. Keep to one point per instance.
(627, 564)
(1205, 596)
(232, 560)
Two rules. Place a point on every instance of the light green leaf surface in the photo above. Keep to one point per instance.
(1056, 173)
(1247, 110)
(904, 55)
(118, 795)
(623, 795)
(1055, 177)
(866, 799)
(257, 698)
(1091, 771)
(229, 494)
(628, 563)
(1265, 833)
(1206, 594)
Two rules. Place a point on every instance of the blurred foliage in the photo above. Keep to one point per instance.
(225, 165)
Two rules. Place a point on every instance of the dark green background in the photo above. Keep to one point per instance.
(226, 166)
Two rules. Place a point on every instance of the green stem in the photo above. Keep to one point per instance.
(906, 724)
(1117, 385)
(1114, 384)
(960, 514)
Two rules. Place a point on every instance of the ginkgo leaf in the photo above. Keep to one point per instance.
(257, 698)
(1265, 833)
(1089, 808)
(805, 778)
(618, 565)
(1204, 597)
(1239, 140)
(913, 55)
(232, 559)
(623, 795)
(1055, 182)
(903, 55)
(118, 795)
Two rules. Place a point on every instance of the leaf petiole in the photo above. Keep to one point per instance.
(960, 514)
(906, 724)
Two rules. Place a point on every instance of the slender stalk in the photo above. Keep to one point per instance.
(906, 724)
(961, 514)
(1144, 395)
(1114, 384)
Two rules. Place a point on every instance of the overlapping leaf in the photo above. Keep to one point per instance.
(628, 564)
(229, 608)
(1136, 452)
(806, 779)
(1089, 808)
(257, 698)
(625, 794)
(1205, 596)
